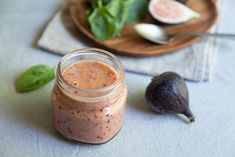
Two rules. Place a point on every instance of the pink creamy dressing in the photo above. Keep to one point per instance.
(90, 75)
(95, 121)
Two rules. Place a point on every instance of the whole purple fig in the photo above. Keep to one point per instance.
(168, 93)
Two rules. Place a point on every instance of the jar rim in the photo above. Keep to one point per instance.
(74, 53)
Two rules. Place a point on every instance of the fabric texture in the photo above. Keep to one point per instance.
(193, 63)
(26, 128)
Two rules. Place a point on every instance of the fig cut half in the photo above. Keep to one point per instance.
(171, 11)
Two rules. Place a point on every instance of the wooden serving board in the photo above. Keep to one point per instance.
(130, 43)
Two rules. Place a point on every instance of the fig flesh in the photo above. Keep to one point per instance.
(168, 93)
(171, 11)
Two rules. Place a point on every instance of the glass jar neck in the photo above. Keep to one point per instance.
(89, 94)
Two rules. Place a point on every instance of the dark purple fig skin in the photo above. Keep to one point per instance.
(168, 93)
(182, 1)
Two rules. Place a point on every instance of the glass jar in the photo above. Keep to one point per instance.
(89, 115)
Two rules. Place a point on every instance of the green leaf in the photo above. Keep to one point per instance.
(103, 24)
(34, 78)
(107, 21)
(137, 10)
(107, 17)
(94, 3)
(119, 10)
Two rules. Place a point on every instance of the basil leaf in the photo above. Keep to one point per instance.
(34, 78)
(107, 21)
(137, 10)
(103, 24)
(119, 10)
(107, 17)
(94, 3)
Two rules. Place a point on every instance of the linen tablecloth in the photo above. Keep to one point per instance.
(25, 119)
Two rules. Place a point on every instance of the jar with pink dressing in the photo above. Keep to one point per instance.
(89, 96)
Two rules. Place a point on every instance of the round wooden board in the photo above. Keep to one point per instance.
(130, 43)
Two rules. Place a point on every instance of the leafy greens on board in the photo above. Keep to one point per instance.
(34, 78)
(107, 17)
(137, 10)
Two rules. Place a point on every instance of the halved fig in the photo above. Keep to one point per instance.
(171, 11)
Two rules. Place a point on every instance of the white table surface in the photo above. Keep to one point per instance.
(25, 119)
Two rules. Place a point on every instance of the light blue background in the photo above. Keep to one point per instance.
(25, 119)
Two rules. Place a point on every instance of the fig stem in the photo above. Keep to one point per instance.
(190, 116)
(191, 119)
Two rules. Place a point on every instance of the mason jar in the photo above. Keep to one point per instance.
(89, 115)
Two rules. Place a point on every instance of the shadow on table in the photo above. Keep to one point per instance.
(136, 100)
(33, 110)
